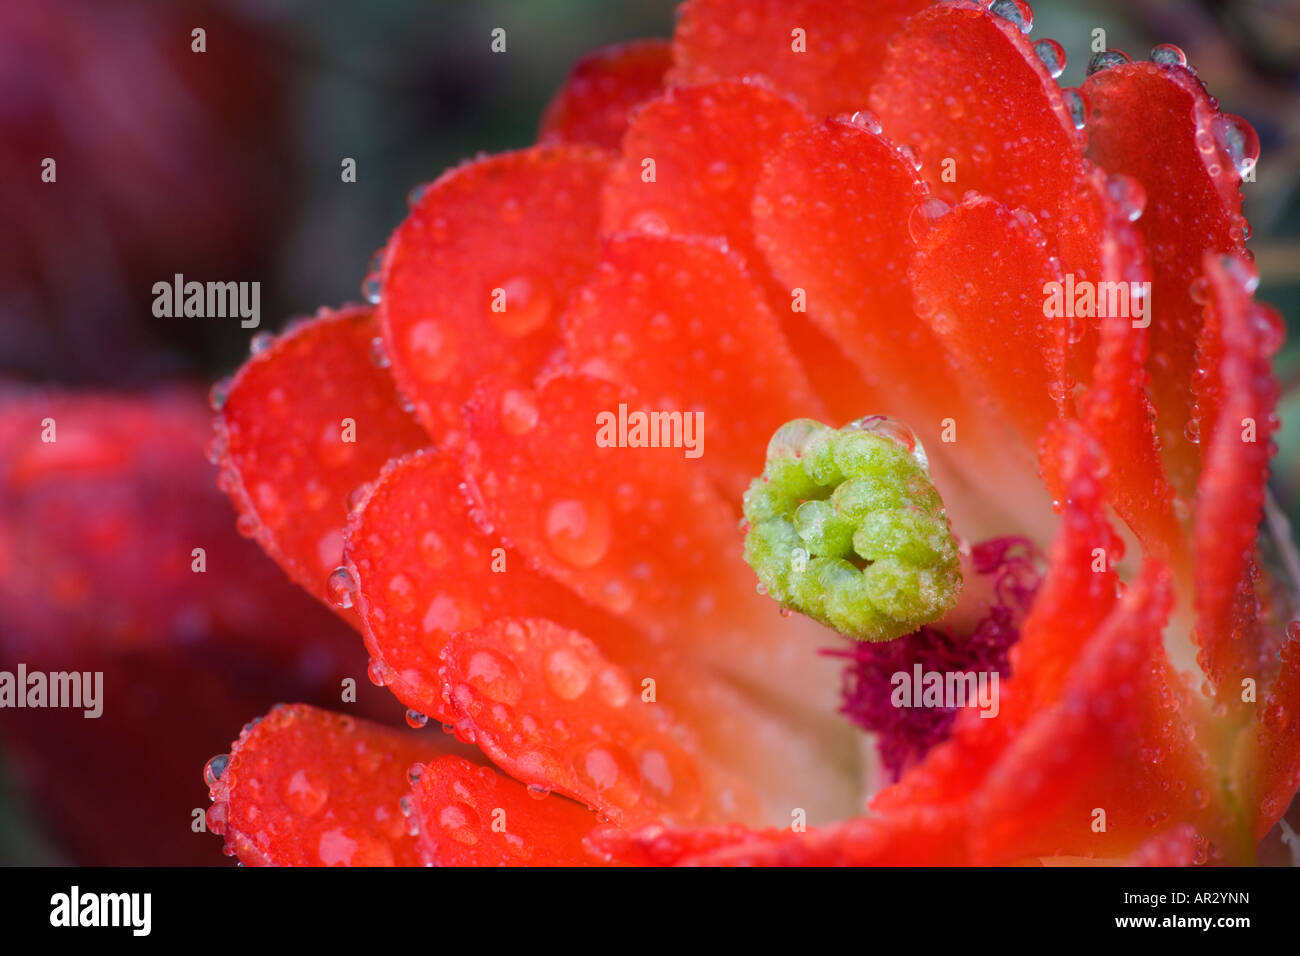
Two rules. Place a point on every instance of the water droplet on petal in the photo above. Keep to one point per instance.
(896, 431)
(1078, 106)
(1166, 54)
(1014, 11)
(260, 342)
(1239, 140)
(909, 154)
(415, 719)
(1128, 194)
(416, 194)
(1053, 56)
(1107, 59)
(340, 587)
(567, 674)
(1199, 290)
(379, 353)
(432, 353)
(538, 791)
(218, 394)
(865, 119)
(925, 216)
(578, 533)
(518, 409)
(214, 768)
(528, 305)
(372, 289)
(375, 671)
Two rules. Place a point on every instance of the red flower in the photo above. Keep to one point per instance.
(583, 614)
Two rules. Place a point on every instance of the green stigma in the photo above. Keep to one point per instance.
(846, 527)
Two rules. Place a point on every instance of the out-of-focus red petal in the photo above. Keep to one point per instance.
(602, 90)
(978, 279)
(962, 85)
(1193, 205)
(305, 422)
(476, 276)
(1275, 778)
(306, 787)
(843, 45)
(654, 844)
(470, 815)
(1236, 403)
(549, 708)
(914, 836)
(99, 572)
(681, 322)
(1114, 742)
(1178, 846)
(428, 564)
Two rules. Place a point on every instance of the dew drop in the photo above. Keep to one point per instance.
(341, 587)
(1242, 270)
(414, 772)
(1166, 54)
(415, 719)
(1128, 194)
(1107, 59)
(896, 431)
(567, 674)
(1240, 140)
(1078, 106)
(214, 768)
(518, 409)
(538, 791)
(1199, 290)
(372, 289)
(375, 671)
(416, 194)
(218, 394)
(1053, 56)
(867, 120)
(1014, 11)
(432, 355)
(528, 305)
(925, 216)
(578, 533)
(909, 154)
(379, 353)
(260, 342)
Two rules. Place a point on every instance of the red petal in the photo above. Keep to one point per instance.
(708, 144)
(1236, 402)
(654, 844)
(831, 213)
(1192, 205)
(306, 787)
(546, 706)
(282, 431)
(1276, 776)
(963, 85)
(844, 44)
(602, 90)
(637, 531)
(447, 268)
(1114, 742)
(98, 531)
(428, 564)
(1177, 846)
(1118, 412)
(470, 815)
(642, 320)
(979, 279)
